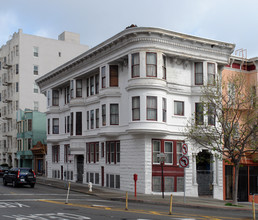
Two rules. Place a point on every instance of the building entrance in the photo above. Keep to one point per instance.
(204, 173)
(80, 168)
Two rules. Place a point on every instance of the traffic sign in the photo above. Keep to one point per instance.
(184, 162)
(184, 149)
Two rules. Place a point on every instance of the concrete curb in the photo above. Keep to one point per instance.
(122, 199)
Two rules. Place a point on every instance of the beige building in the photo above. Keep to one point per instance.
(23, 59)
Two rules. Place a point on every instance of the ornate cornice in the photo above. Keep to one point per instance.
(177, 44)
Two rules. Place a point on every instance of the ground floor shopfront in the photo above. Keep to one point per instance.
(113, 163)
(247, 183)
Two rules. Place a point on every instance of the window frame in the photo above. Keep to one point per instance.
(183, 108)
(199, 114)
(151, 64)
(78, 92)
(197, 73)
(136, 108)
(114, 116)
(136, 65)
(148, 108)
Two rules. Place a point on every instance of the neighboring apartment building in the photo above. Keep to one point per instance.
(114, 109)
(31, 129)
(23, 59)
(248, 174)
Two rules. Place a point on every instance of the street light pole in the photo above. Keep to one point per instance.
(162, 158)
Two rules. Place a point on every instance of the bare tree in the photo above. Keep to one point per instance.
(225, 121)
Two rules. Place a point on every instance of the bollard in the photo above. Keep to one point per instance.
(90, 186)
(253, 208)
(68, 191)
(126, 201)
(170, 207)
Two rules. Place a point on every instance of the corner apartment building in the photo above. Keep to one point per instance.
(115, 108)
(248, 173)
(23, 59)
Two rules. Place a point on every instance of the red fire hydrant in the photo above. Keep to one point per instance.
(135, 177)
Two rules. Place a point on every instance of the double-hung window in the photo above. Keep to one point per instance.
(103, 77)
(92, 119)
(55, 153)
(211, 73)
(97, 118)
(179, 151)
(36, 70)
(114, 114)
(199, 117)
(92, 85)
(156, 145)
(92, 152)
(113, 76)
(35, 51)
(164, 109)
(168, 150)
(135, 65)
(198, 71)
(97, 84)
(55, 98)
(78, 88)
(211, 114)
(113, 152)
(55, 126)
(78, 123)
(136, 108)
(178, 108)
(164, 70)
(151, 64)
(103, 114)
(152, 108)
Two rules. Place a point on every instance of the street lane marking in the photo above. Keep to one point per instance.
(35, 194)
(12, 205)
(177, 215)
(48, 216)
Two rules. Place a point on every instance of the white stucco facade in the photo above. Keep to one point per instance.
(114, 126)
(23, 59)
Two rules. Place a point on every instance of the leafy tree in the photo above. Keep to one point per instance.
(226, 121)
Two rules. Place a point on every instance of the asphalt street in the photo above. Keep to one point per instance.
(45, 202)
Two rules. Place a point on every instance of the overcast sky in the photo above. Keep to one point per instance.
(232, 21)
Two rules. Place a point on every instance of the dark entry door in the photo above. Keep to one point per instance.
(80, 168)
(204, 173)
(243, 184)
(102, 176)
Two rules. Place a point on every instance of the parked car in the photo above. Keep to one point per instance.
(3, 169)
(20, 176)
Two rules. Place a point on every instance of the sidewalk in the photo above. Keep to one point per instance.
(118, 195)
